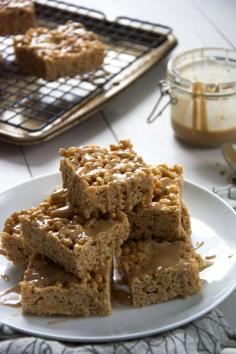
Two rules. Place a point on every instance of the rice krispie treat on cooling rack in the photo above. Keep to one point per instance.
(16, 16)
(68, 50)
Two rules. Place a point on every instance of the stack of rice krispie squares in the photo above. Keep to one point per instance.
(113, 211)
(158, 261)
(69, 258)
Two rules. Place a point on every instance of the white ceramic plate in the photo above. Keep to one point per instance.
(213, 222)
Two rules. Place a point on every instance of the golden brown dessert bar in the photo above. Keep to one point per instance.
(11, 247)
(186, 221)
(48, 290)
(158, 271)
(11, 243)
(68, 50)
(162, 217)
(58, 232)
(106, 180)
(16, 16)
(11, 240)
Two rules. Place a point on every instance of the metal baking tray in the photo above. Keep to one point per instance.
(33, 110)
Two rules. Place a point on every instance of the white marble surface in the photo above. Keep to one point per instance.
(196, 23)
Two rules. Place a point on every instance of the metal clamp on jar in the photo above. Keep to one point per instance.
(201, 89)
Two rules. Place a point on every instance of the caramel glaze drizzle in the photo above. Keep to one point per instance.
(158, 256)
(120, 290)
(122, 295)
(210, 257)
(199, 107)
(11, 297)
(44, 274)
(198, 245)
(5, 277)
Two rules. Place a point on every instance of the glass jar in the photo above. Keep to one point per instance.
(202, 88)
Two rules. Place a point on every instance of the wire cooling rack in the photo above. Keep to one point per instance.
(33, 110)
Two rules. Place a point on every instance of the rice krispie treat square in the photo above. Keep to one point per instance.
(158, 271)
(161, 218)
(58, 232)
(105, 180)
(47, 289)
(68, 50)
(16, 16)
(11, 242)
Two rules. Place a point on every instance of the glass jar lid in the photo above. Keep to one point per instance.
(213, 68)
